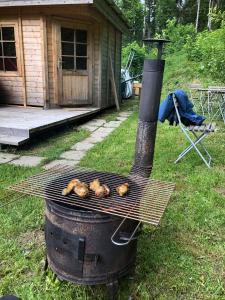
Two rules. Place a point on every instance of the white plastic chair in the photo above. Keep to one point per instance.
(199, 132)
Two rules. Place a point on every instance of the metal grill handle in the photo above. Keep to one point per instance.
(129, 239)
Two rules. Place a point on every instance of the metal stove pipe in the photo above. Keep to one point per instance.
(148, 115)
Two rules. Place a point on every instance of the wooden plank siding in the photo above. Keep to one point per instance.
(33, 61)
(118, 62)
(105, 65)
(11, 83)
(96, 67)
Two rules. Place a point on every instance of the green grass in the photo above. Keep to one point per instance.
(182, 259)
(52, 143)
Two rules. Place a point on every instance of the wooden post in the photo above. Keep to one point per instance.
(44, 50)
(22, 58)
(112, 78)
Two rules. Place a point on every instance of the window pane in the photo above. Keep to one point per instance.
(67, 63)
(67, 49)
(81, 63)
(81, 50)
(67, 35)
(8, 33)
(0, 33)
(10, 64)
(1, 49)
(9, 49)
(81, 36)
(1, 64)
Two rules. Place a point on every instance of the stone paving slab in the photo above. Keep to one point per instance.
(95, 139)
(88, 127)
(125, 114)
(112, 124)
(96, 122)
(7, 157)
(73, 155)
(83, 146)
(27, 161)
(60, 162)
(102, 131)
(122, 118)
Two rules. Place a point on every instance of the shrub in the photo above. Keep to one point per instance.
(178, 34)
(140, 54)
(208, 50)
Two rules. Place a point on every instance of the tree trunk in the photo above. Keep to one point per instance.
(209, 15)
(198, 12)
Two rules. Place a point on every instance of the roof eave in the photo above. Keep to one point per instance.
(42, 2)
(116, 18)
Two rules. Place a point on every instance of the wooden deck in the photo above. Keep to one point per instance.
(18, 124)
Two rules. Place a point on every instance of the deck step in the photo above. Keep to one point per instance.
(21, 132)
(12, 140)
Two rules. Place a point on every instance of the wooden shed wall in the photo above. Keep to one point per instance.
(37, 81)
(33, 61)
(11, 84)
(25, 85)
(111, 43)
(11, 90)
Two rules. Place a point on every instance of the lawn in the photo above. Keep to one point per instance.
(182, 259)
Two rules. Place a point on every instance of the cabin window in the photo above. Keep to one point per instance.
(74, 49)
(8, 60)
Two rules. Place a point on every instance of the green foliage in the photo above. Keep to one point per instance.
(133, 10)
(140, 54)
(218, 18)
(178, 34)
(208, 49)
(164, 10)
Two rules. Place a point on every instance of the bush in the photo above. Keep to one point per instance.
(140, 54)
(178, 34)
(208, 50)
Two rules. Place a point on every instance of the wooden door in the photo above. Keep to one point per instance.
(75, 66)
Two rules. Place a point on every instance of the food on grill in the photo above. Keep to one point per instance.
(94, 185)
(70, 187)
(81, 189)
(123, 189)
(102, 191)
(107, 190)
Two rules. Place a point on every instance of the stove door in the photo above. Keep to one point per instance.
(65, 251)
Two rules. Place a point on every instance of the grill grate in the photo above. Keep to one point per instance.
(146, 201)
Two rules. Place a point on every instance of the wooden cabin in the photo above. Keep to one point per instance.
(56, 53)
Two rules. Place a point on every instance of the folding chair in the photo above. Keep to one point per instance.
(199, 132)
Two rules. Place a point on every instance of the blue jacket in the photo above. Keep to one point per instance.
(185, 108)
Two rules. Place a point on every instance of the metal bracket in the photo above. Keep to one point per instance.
(132, 237)
(81, 250)
(112, 290)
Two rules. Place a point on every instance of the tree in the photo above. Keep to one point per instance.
(134, 12)
(198, 11)
(149, 28)
(165, 10)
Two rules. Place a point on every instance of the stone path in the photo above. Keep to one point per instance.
(17, 160)
(99, 129)
(27, 161)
